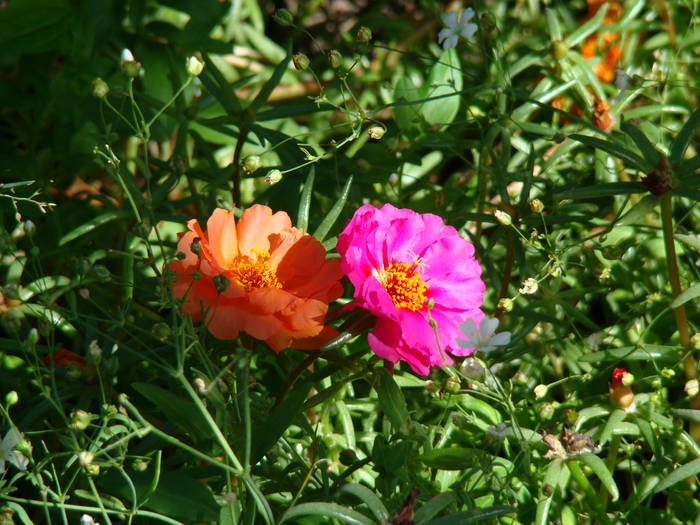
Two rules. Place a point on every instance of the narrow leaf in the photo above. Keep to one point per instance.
(272, 82)
(433, 506)
(326, 511)
(686, 471)
(89, 226)
(391, 399)
(369, 498)
(305, 201)
(334, 212)
(474, 516)
(586, 29)
(640, 139)
(686, 295)
(684, 137)
(601, 190)
(600, 469)
(689, 240)
(614, 149)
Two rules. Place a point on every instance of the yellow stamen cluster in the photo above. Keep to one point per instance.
(402, 282)
(254, 271)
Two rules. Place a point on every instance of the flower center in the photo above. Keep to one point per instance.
(254, 271)
(402, 282)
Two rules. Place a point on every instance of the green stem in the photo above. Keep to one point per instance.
(236, 192)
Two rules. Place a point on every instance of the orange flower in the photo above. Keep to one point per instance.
(63, 357)
(601, 116)
(605, 69)
(261, 276)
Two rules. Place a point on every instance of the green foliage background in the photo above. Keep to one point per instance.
(183, 428)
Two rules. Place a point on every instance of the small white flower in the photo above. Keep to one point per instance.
(500, 431)
(127, 55)
(456, 27)
(484, 338)
(7, 450)
(529, 286)
(86, 519)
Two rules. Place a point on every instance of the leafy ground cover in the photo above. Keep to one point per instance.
(336, 262)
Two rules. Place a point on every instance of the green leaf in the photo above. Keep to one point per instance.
(633, 353)
(688, 240)
(20, 512)
(474, 516)
(305, 200)
(550, 485)
(687, 413)
(334, 213)
(458, 458)
(179, 410)
(433, 506)
(442, 88)
(614, 149)
(482, 408)
(683, 139)
(278, 421)
(326, 511)
(688, 167)
(391, 399)
(586, 29)
(42, 285)
(686, 295)
(178, 496)
(49, 315)
(219, 87)
(600, 469)
(369, 498)
(89, 226)
(686, 471)
(406, 104)
(615, 421)
(273, 81)
(606, 189)
(651, 155)
(35, 27)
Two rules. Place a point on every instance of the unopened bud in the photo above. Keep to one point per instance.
(100, 88)
(92, 470)
(529, 286)
(541, 391)
(196, 246)
(376, 132)
(101, 272)
(301, 61)
(695, 341)
(194, 67)
(505, 304)
(621, 395)
(94, 354)
(33, 336)
(472, 368)
(692, 388)
(347, 457)
(129, 65)
(200, 385)
(161, 331)
(221, 283)
(364, 34)
(668, 373)
(85, 458)
(283, 17)
(273, 177)
(251, 163)
(140, 465)
(560, 49)
(504, 218)
(335, 59)
(536, 206)
(11, 398)
(79, 420)
(430, 386)
(452, 385)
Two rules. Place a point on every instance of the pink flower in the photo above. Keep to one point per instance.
(408, 268)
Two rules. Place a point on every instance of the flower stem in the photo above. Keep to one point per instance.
(236, 192)
(587, 489)
(689, 363)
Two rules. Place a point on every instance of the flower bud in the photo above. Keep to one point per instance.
(692, 388)
(504, 218)
(335, 59)
(85, 458)
(364, 34)
(536, 206)
(129, 65)
(94, 353)
(161, 331)
(545, 411)
(100, 88)
(32, 337)
(196, 246)
(347, 457)
(529, 286)
(376, 132)
(92, 470)
(194, 67)
(273, 177)
(140, 465)
(621, 394)
(430, 386)
(86, 519)
(79, 420)
(301, 61)
(29, 228)
(11, 398)
(668, 373)
(505, 304)
(695, 341)
(541, 391)
(200, 385)
(283, 17)
(452, 385)
(221, 283)
(251, 163)
(560, 49)
(101, 272)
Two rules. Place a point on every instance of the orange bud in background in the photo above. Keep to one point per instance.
(621, 394)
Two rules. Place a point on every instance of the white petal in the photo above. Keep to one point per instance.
(469, 329)
(444, 34)
(450, 42)
(500, 339)
(466, 16)
(2, 465)
(468, 30)
(18, 460)
(450, 20)
(12, 438)
(487, 348)
(466, 343)
(487, 327)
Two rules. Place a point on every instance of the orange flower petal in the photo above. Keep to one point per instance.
(256, 225)
(225, 321)
(222, 236)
